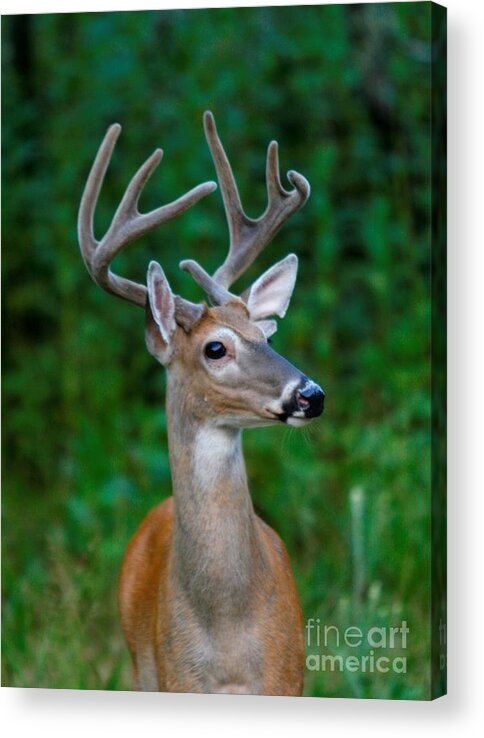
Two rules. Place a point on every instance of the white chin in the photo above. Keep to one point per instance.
(297, 422)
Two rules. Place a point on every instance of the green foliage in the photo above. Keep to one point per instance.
(345, 90)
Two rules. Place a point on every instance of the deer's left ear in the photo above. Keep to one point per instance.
(160, 318)
(271, 293)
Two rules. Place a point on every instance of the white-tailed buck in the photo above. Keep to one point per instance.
(207, 598)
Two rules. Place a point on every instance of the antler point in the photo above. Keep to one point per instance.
(113, 131)
(299, 182)
(209, 122)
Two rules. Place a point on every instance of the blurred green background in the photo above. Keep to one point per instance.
(346, 92)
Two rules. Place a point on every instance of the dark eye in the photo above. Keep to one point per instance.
(215, 350)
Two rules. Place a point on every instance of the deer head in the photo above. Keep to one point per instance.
(217, 356)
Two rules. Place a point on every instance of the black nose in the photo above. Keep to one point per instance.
(310, 399)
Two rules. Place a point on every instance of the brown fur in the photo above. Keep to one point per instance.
(161, 627)
(207, 598)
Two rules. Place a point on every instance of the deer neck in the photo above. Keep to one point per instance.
(216, 550)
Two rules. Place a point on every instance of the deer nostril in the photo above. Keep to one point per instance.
(310, 399)
(302, 402)
(306, 400)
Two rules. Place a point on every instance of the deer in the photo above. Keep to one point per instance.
(207, 598)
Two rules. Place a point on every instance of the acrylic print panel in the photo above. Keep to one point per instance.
(341, 590)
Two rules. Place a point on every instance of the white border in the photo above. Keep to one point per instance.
(58, 713)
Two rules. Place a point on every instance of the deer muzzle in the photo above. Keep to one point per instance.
(305, 402)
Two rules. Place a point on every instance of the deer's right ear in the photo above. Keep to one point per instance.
(160, 320)
(271, 293)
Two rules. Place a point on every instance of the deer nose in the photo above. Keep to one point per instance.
(310, 399)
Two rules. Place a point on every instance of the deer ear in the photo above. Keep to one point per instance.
(270, 294)
(268, 327)
(160, 322)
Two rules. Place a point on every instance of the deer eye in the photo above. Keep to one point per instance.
(215, 350)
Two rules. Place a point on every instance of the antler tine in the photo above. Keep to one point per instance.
(85, 223)
(128, 223)
(248, 237)
(217, 294)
